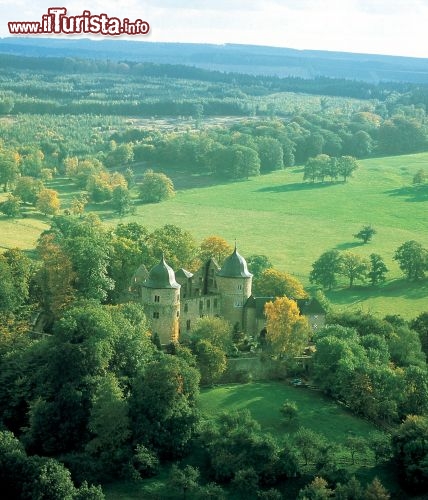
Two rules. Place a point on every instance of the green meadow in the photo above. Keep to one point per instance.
(264, 400)
(293, 222)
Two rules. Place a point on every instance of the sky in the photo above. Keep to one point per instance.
(394, 27)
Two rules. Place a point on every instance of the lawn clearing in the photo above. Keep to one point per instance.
(264, 400)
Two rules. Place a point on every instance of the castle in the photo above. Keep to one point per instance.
(174, 301)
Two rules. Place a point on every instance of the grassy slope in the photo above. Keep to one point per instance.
(265, 399)
(294, 222)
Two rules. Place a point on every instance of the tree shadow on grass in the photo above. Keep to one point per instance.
(411, 193)
(395, 288)
(349, 244)
(295, 186)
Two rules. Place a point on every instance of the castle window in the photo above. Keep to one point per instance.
(215, 303)
(178, 314)
(208, 303)
(239, 287)
(188, 325)
(201, 305)
(186, 308)
(156, 315)
(157, 298)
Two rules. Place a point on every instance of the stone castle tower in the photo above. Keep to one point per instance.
(160, 295)
(234, 283)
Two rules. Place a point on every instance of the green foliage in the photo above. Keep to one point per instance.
(11, 207)
(365, 234)
(412, 258)
(234, 443)
(163, 406)
(273, 283)
(217, 330)
(121, 200)
(420, 324)
(377, 269)
(353, 267)
(257, 264)
(28, 189)
(155, 187)
(289, 410)
(410, 449)
(211, 361)
(325, 268)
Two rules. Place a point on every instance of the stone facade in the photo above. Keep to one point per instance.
(174, 301)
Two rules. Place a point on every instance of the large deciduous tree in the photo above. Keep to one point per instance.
(412, 258)
(365, 234)
(377, 270)
(48, 202)
(354, 267)
(215, 247)
(410, 448)
(155, 187)
(287, 331)
(325, 269)
(273, 283)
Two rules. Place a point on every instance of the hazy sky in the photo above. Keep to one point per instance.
(397, 27)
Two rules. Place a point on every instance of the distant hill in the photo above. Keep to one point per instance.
(247, 59)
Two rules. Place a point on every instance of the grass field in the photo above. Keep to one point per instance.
(294, 222)
(264, 401)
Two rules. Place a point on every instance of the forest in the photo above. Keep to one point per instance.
(89, 399)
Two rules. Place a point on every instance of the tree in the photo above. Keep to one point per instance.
(420, 325)
(287, 330)
(355, 445)
(48, 202)
(217, 330)
(412, 258)
(11, 207)
(346, 166)
(121, 200)
(381, 444)
(155, 187)
(211, 361)
(365, 234)
(420, 177)
(410, 448)
(353, 266)
(9, 167)
(318, 168)
(237, 162)
(317, 490)
(270, 153)
(273, 283)
(215, 247)
(184, 480)
(289, 410)
(28, 189)
(164, 405)
(177, 245)
(55, 278)
(308, 444)
(257, 264)
(325, 268)
(376, 491)
(377, 269)
(108, 422)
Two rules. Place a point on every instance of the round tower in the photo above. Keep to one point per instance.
(161, 301)
(234, 284)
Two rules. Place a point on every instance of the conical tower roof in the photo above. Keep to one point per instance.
(235, 266)
(161, 276)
